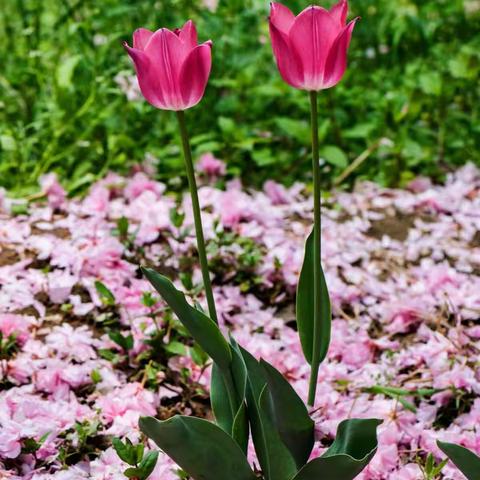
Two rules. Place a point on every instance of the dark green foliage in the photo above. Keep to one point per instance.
(354, 446)
(141, 466)
(202, 328)
(250, 395)
(466, 461)
(289, 415)
(411, 79)
(305, 308)
(201, 448)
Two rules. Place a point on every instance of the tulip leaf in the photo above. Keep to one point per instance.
(465, 460)
(199, 447)
(240, 429)
(202, 328)
(239, 370)
(353, 448)
(305, 307)
(275, 459)
(221, 407)
(289, 415)
(227, 388)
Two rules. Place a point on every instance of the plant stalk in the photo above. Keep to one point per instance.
(202, 254)
(317, 253)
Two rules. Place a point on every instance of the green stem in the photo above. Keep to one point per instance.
(317, 253)
(197, 216)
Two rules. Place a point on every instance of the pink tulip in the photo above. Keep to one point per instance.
(172, 69)
(311, 49)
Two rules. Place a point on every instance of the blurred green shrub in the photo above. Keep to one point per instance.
(412, 79)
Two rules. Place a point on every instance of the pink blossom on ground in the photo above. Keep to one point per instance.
(402, 268)
(55, 193)
(212, 167)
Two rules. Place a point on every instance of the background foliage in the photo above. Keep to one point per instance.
(412, 82)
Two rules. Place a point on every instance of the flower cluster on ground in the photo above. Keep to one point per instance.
(86, 347)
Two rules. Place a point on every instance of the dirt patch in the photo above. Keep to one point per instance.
(396, 227)
(8, 256)
(59, 232)
(475, 243)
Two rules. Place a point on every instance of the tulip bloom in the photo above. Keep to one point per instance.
(311, 49)
(172, 69)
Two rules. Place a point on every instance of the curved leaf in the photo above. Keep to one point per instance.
(290, 415)
(275, 459)
(305, 307)
(240, 429)
(352, 450)
(228, 387)
(202, 328)
(221, 407)
(201, 448)
(465, 460)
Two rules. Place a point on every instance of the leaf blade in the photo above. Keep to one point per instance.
(200, 447)
(465, 460)
(354, 446)
(305, 307)
(290, 415)
(275, 459)
(202, 328)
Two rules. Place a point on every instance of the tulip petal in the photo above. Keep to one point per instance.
(141, 37)
(188, 34)
(147, 79)
(311, 36)
(288, 63)
(281, 16)
(167, 54)
(340, 11)
(194, 74)
(165, 46)
(337, 57)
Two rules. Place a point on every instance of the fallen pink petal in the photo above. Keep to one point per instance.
(379, 244)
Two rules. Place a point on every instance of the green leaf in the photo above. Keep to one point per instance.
(122, 226)
(140, 448)
(124, 342)
(334, 155)
(465, 460)
(232, 419)
(360, 130)
(201, 448)
(305, 307)
(298, 129)
(147, 465)
(125, 451)
(431, 83)
(95, 376)
(263, 157)
(8, 142)
(202, 328)
(240, 428)
(219, 400)
(106, 296)
(354, 446)
(66, 69)
(290, 416)
(176, 348)
(429, 465)
(275, 459)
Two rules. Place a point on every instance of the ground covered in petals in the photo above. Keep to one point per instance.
(87, 347)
